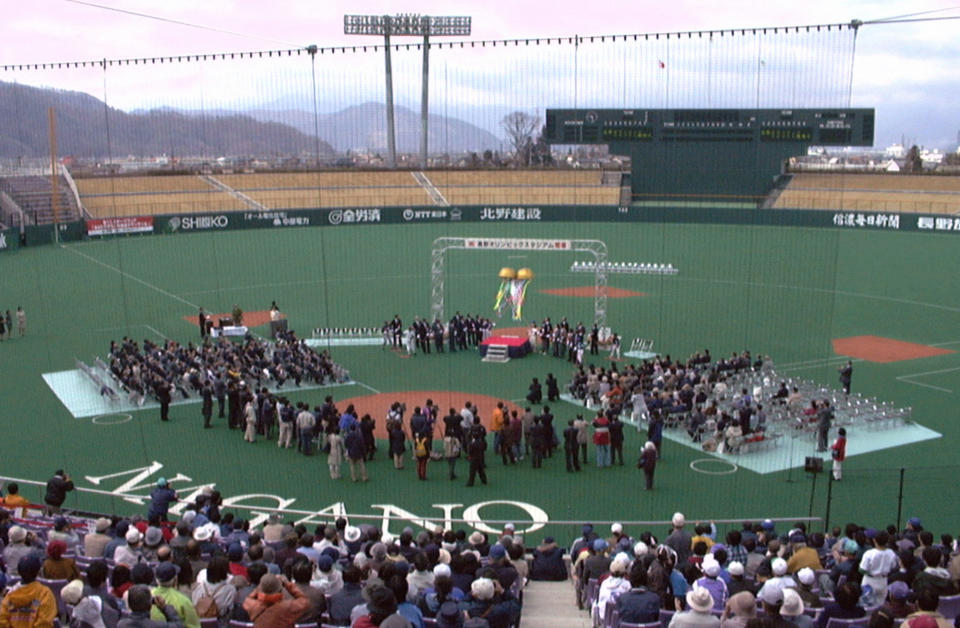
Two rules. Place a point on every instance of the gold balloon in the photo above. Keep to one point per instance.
(507, 273)
(524, 273)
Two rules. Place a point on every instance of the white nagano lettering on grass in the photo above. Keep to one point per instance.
(139, 483)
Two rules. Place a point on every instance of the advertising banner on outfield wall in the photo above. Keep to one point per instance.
(9, 239)
(516, 214)
(119, 225)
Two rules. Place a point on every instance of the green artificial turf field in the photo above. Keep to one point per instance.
(786, 292)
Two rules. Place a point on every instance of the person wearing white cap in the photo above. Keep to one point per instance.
(780, 579)
(129, 554)
(792, 610)
(612, 587)
(700, 603)
(716, 586)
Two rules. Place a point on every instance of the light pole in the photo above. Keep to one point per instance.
(406, 25)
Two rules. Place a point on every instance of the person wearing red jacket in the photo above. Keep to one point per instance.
(601, 438)
(838, 451)
(268, 608)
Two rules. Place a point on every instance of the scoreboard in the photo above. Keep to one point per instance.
(709, 152)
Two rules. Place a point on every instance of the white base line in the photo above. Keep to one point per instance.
(155, 331)
(129, 276)
(908, 379)
(370, 388)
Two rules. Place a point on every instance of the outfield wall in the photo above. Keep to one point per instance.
(189, 223)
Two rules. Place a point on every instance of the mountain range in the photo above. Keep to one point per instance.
(82, 130)
(364, 128)
(255, 133)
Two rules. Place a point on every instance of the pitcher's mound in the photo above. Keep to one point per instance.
(880, 349)
(377, 406)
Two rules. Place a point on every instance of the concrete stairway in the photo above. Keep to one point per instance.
(552, 605)
(497, 353)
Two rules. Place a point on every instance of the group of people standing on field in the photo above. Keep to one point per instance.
(423, 336)
(6, 323)
(571, 342)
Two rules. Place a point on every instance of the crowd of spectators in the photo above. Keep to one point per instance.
(214, 565)
(166, 369)
(693, 394)
(761, 577)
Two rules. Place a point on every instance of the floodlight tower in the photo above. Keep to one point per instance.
(406, 24)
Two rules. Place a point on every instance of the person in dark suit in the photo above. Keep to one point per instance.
(163, 396)
(846, 374)
(202, 319)
(476, 450)
(207, 408)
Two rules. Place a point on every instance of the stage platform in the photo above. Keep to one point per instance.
(517, 346)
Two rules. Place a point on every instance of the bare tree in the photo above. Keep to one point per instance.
(520, 127)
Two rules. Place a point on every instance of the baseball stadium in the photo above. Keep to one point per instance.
(661, 188)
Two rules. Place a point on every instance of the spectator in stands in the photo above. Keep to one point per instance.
(548, 562)
(803, 556)
(212, 583)
(160, 499)
(898, 600)
(638, 605)
(269, 608)
(876, 564)
(489, 602)
(927, 603)
(13, 498)
(350, 596)
(934, 577)
(31, 604)
(21, 543)
(120, 580)
(700, 603)
(97, 574)
(129, 554)
(740, 609)
(141, 601)
(738, 582)
(398, 584)
(95, 542)
(167, 589)
(612, 586)
(806, 579)
(844, 606)
(780, 579)
(56, 567)
(792, 610)
(680, 540)
(712, 582)
(302, 572)
(57, 488)
(86, 611)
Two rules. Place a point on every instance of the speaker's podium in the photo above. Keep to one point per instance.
(813, 464)
(277, 326)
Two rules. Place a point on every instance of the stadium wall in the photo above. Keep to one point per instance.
(190, 223)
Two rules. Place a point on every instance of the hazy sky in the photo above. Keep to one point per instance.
(910, 72)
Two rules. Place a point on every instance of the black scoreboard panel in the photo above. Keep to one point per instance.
(709, 152)
(817, 127)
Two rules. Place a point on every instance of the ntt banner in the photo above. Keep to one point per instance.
(119, 225)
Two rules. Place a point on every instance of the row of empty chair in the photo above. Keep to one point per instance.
(176, 194)
(36, 196)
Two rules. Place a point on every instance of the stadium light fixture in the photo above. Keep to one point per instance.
(407, 24)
